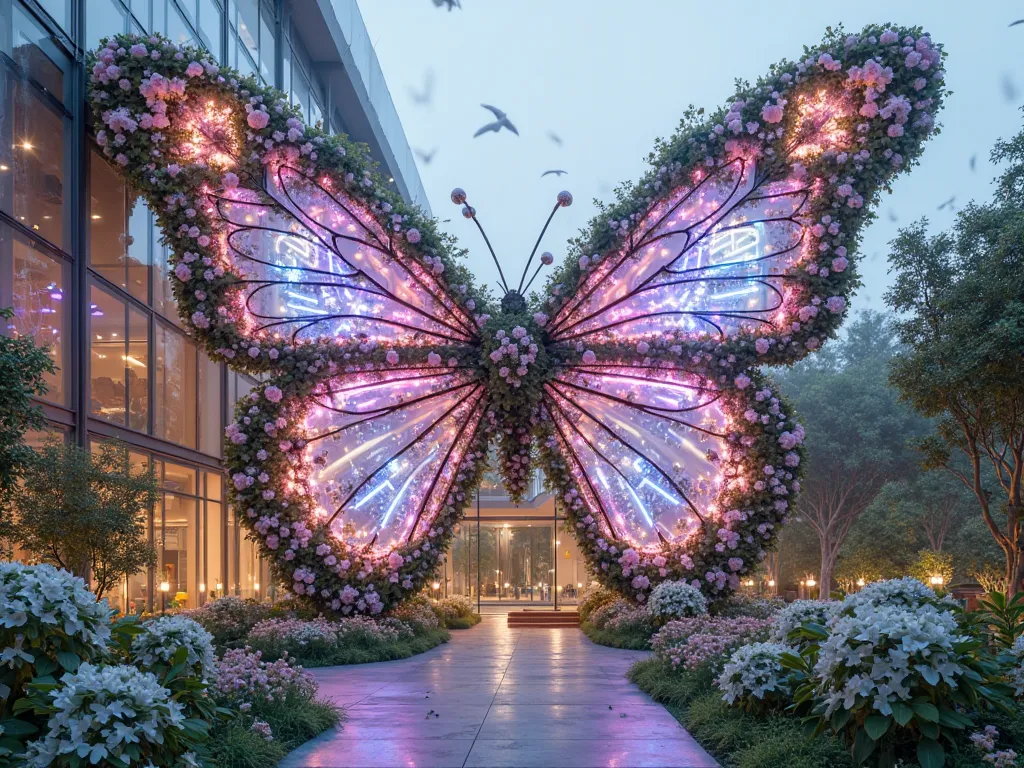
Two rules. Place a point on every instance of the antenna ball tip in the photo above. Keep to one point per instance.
(547, 258)
(458, 195)
(564, 199)
(468, 211)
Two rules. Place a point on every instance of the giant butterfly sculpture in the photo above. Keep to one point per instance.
(632, 378)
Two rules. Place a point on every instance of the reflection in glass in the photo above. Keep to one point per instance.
(107, 357)
(178, 560)
(38, 294)
(137, 361)
(102, 18)
(174, 417)
(31, 159)
(211, 429)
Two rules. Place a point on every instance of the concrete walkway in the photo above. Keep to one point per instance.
(499, 698)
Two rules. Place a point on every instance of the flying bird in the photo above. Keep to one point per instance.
(973, 161)
(425, 96)
(426, 157)
(451, 4)
(893, 216)
(500, 121)
(1009, 88)
(948, 204)
(557, 172)
(555, 138)
(1015, 23)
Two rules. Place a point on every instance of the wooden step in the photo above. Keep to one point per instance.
(543, 619)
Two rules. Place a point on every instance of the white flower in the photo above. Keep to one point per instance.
(798, 612)
(100, 711)
(166, 634)
(1016, 674)
(42, 600)
(885, 654)
(676, 599)
(906, 591)
(753, 670)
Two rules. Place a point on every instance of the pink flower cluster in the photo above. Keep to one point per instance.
(693, 641)
(243, 678)
(515, 355)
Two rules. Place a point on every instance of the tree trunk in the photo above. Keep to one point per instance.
(828, 565)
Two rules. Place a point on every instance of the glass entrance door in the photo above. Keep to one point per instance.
(516, 562)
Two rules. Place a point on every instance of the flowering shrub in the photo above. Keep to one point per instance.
(632, 619)
(753, 675)
(600, 617)
(896, 664)
(907, 592)
(242, 678)
(228, 619)
(595, 598)
(455, 607)
(113, 715)
(1016, 672)
(675, 600)
(417, 613)
(164, 636)
(799, 611)
(985, 742)
(47, 612)
(691, 642)
(738, 604)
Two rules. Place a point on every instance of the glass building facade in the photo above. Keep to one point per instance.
(82, 264)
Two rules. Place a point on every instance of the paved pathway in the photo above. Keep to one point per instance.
(503, 698)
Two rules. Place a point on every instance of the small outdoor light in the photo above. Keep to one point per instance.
(202, 586)
(506, 585)
(937, 581)
(165, 587)
(220, 586)
(750, 582)
(771, 582)
(579, 585)
(811, 582)
(860, 582)
(256, 587)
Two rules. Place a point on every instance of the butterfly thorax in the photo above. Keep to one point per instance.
(516, 366)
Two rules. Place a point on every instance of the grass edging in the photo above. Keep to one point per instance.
(630, 641)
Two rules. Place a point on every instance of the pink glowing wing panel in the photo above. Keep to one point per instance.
(710, 257)
(643, 444)
(314, 264)
(384, 448)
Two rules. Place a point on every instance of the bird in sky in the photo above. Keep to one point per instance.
(426, 157)
(1009, 88)
(500, 121)
(557, 172)
(426, 95)
(451, 4)
(893, 216)
(973, 161)
(1015, 23)
(948, 204)
(555, 138)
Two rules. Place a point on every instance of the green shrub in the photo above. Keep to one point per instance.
(594, 599)
(463, 622)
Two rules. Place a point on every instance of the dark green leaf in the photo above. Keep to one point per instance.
(926, 711)
(863, 746)
(14, 727)
(69, 661)
(931, 754)
(877, 725)
(902, 713)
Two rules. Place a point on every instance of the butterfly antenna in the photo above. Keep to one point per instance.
(459, 198)
(564, 201)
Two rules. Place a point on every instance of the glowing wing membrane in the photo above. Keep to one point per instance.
(384, 452)
(315, 264)
(644, 444)
(711, 257)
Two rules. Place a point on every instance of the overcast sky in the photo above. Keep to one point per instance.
(609, 77)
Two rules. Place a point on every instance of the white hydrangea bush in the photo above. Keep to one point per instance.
(1016, 672)
(886, 654)
(98, 713)
(45, 609)
(906, 592)
(753, 675)
(797, 613)
(676, 600)
(163, 636)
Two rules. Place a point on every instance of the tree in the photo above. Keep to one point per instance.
(86, 512)
(856, 432)
(930, 563)
(23, 369)
(960, 299)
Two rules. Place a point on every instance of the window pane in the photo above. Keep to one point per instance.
(139, 254)
(177, 29)
(31, 159)
(175, 414)
(231, 584)
(211, 22)
(267, 46)
(216, 574)
(60, 11)
(210, 416)
(248, 569)
(102, 18)
(179, 478)
(107, 217)
(29, 45)
(179, 556)
(140, 9)
(163, 294)
(39, 287)
(248, 22)
(107, 361)
(213, 486)
(138, 370)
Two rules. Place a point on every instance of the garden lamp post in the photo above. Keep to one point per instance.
(165, 587)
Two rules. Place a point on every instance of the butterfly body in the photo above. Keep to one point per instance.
(631, 377)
